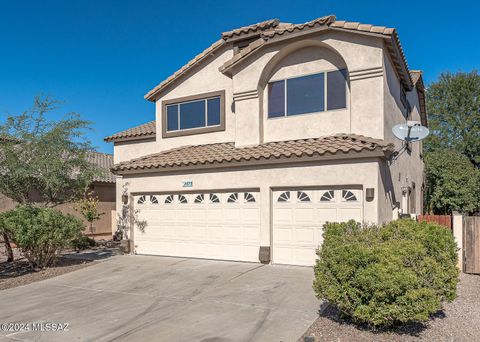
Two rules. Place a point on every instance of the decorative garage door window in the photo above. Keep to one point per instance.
(141, 200)
(169, 199)
(153, 199)
(284, 197)
(248, 197)
(199, 198)
(182, 199)
(302, 196)
(233, 198)
(214, 198)
(328, 196)
(348, 196)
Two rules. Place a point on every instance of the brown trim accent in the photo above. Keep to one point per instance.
(143, 138)
(196, 191)
(193, 131)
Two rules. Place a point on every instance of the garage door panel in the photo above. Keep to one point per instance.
(304, 215)
(283, 234)
(298, 220)
(304, 235)
(208, 228)
(346, 214)
(250, 216)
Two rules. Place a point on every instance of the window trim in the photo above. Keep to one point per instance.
(325, 95)
(192, 131)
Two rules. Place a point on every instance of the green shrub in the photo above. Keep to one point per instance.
(384, 276)
(41, 233)
(82, 242)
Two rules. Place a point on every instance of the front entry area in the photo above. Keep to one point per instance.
(299, 216)
(210, 225)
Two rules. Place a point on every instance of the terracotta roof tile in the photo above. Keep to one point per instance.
(104, 162)
(221, 153)
(143, 131)
(271, 28)
(251, 28)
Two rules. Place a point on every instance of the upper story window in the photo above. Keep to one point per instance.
(308, 94)
(193, 114)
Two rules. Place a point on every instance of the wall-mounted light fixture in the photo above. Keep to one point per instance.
(370, 194)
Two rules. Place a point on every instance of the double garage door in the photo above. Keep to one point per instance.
(226, 225)
(203, 225)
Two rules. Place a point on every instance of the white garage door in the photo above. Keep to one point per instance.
(222, 226)
(299, 216)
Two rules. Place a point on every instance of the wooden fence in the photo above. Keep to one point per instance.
(471, 244)
(444, 220)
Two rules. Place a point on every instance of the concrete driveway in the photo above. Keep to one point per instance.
(143, 298)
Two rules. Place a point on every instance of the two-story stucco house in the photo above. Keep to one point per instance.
(269, 133)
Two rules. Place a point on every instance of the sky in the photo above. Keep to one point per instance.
(101, 57)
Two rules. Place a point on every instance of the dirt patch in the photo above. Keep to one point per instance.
(19, 272)
(458, 321)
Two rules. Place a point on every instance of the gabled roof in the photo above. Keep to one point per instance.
(226, 154)
(417, 78)
(144, 131)
(270, 30)
(242, 31)
(195, 61)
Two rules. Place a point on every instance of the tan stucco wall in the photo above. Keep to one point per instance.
(347, 173)
(128, 150)
(409, 166)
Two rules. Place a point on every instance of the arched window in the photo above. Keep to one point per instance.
(199, 199)
(284, 197)
(233, 198)
(169, 199)
(302, 196)
(153, 199)
(141, 200)
(327, 196)
(182, 199)
(214, 198)
(348, 196)
(248, 197)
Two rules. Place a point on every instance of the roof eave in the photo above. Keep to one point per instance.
(377, 152)
(132, 138)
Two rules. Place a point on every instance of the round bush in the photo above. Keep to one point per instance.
(40, 233)
(389, 275)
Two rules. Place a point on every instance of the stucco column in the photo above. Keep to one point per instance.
(458, 236)
(247, 120)
(265, 216)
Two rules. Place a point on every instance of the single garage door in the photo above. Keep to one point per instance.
(299, 216)
(210, 225)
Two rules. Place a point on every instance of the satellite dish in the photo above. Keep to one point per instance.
(411, 131)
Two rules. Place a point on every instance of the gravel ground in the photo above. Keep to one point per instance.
(19, 272)
(459, 321)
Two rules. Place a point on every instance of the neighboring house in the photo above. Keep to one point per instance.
(103, 186)
(269, 133)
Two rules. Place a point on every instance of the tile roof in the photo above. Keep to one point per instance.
(146, 130)
(272, 28)
(197, 59)
(250, 28)
(225, 153)
(104, 162)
